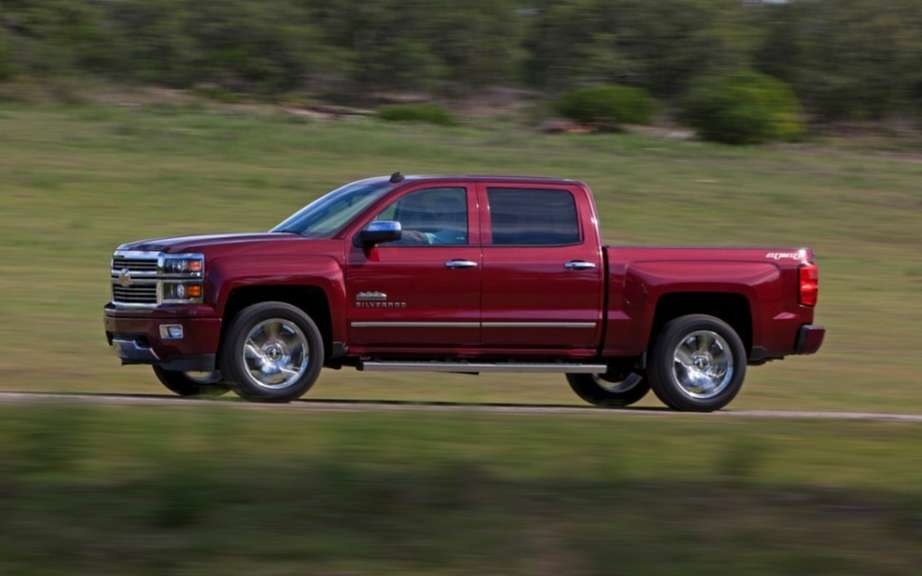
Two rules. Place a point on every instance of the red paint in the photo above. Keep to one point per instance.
(531, 284)
(417, 277)
(509, 284)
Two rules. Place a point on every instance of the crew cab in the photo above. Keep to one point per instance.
(458, 274)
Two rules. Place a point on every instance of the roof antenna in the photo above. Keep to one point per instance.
(396, 177)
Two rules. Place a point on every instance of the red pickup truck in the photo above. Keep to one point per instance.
(458, 274)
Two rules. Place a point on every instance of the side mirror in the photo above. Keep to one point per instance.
(381, 231)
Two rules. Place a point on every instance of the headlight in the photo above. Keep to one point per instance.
(182, 278)
(184, 264)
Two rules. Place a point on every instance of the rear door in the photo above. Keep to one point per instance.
(422, 292)
(542, 268)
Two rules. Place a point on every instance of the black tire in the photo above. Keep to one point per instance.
(233, 360)
(184, 385)
(598, 390)
(662, 370)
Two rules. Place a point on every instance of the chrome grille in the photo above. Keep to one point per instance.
(134, 264)
(139, 286)
(141, 278)
(135, 294)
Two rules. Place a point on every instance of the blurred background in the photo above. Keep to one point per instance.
(694, 121)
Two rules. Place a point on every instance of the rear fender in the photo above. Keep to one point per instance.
(632, 307)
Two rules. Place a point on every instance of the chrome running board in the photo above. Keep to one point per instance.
(476, 367)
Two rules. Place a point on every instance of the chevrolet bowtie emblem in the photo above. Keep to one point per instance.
(124, 278)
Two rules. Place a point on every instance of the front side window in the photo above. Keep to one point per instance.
(430, 217)
(539, 217)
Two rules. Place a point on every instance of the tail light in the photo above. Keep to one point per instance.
(809, 284)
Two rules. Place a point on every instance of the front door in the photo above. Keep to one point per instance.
(542, 269)
(422, 291)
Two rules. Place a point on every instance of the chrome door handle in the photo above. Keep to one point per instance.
(452, 264)
(579, 265)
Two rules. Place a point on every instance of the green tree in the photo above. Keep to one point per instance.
(60, 36)
(422, 43)
(847, 59)
(153, 42)
(656, 45)
(844, 58)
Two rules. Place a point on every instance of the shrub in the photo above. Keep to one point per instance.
(743, 108)
(606, 106)
(429, 113)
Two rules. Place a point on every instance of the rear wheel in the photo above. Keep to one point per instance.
(272, 352)
(610, 390)
(191, 383)
(697, 364)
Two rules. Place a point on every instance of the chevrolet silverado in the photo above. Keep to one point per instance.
(463, 274)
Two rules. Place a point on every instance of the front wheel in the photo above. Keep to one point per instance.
(272, 352)
(191, 383)
(697, 363)
(612, 392)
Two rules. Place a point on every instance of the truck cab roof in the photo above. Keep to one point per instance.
(488, 178)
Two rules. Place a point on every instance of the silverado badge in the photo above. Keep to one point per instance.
(376, 300)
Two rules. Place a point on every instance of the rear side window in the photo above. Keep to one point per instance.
(526, 217)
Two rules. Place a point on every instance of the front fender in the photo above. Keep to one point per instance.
(318, 271)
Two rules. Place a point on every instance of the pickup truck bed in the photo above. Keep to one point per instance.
(756, 288)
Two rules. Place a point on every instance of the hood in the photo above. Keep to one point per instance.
(198, 243)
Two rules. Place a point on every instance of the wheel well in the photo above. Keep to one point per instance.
(311, 299)
(731, 308)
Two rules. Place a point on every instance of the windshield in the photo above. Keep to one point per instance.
(327, 215)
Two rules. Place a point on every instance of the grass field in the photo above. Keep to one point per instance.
(193, 490)
(76, 182)
(215, 491)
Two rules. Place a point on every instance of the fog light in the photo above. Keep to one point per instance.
(171, 331)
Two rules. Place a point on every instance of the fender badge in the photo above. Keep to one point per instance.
(799, 255)
(371, 297)
(376, 300)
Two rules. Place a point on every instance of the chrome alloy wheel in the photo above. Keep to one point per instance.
(275, 354)
(703, 364)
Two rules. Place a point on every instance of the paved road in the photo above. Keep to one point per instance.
(402, 406)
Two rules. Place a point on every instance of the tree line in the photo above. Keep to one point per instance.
(844, 59)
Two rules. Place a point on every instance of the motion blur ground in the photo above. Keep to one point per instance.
(204, 490)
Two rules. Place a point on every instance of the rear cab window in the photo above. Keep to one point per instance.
(533, 217)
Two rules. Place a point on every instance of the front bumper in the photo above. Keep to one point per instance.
(809, 339)
(132, 351)
(135, 337)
